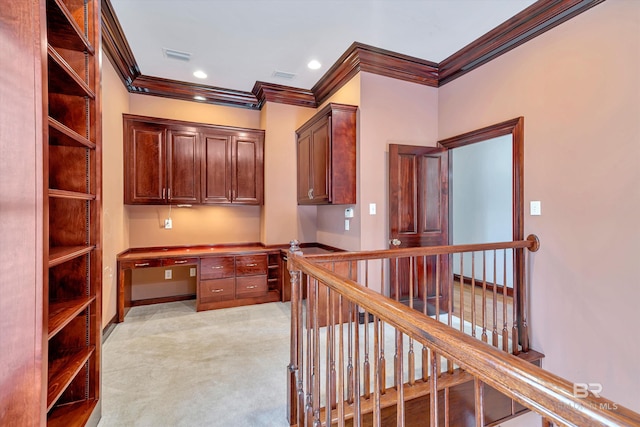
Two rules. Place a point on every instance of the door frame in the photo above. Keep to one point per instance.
(515, 128)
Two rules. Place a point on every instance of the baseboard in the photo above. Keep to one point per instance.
(160, 300)
(478, 282)
(109, 327)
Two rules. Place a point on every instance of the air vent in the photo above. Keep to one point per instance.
(176, 54)
(284, 75)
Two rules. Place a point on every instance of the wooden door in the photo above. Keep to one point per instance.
(248, 174)
(216, 168)
(183, 172)
(320, 166)
(145, 163)
(304, 167)
(418, 216)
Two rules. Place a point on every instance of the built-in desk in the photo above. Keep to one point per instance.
(235, 274)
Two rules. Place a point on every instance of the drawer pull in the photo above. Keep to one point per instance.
(184, 261)
(216, 290)
(252, 287)
(142, 264)
(252, 265)
(217, 267)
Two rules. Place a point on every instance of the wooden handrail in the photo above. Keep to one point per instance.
(530, 243)
(539, 390)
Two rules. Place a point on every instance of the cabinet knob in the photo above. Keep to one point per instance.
(310, 193)
(142, 264)
(216, 290)
(184, 261)
(252, 265)
(252, 287)
(216, 267)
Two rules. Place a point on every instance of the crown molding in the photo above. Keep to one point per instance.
(362, 57)
(538, 18)
(531, 22)
(272, 92)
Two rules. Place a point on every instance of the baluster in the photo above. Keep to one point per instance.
(297, 348)
(397, 360)
(473, 294)
(479, 401)
(514, 329)
(340, 363)
(383, 369)
(484, 296)
(494, 333)
(310, 304)
(450, 309)
(316, 356)
(447, 406)
(523, 298)
(357, 415)
(411, 356)
(462, 292)
(398, 375)
(433, 389)
(366, 367)
(505, 330)
(350, 349)
(329, 402)
(376, 373)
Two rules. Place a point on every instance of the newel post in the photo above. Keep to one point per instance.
(294, 384)
(534, 245)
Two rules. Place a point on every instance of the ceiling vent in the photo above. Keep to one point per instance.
(284, 75)
(176, 54)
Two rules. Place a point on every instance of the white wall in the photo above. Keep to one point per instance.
(481, 205)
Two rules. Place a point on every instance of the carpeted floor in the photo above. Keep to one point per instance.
(168, 365)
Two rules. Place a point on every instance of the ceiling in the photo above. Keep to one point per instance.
(239, 42)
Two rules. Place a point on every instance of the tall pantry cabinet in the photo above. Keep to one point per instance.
(72, 210)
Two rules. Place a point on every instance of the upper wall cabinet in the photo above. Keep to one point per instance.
(170, 162)
(326, 152)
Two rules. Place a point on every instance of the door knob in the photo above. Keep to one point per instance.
(395, 242)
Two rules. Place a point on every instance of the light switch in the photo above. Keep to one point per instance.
(167, 275)
(372, 208)
(536, 208)
(346, 225)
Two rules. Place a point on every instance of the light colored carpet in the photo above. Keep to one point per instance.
(168, 365)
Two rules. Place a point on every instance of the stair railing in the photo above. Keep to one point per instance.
(348, 339)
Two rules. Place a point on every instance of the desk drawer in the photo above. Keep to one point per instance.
(251, 265)
(170, 262)
(141, 263)
(217, 267)
(216, 290)
(251, 286)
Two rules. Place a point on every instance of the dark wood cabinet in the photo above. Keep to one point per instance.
(72, 214)
(326, 156)
(168, 161)
(240, 279)
(162, 164)
(233, 168)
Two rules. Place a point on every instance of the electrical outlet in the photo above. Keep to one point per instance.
(168, 275)
(346, 225)
(348, 213)
(168, 224)
(192, 272)
(372, 208)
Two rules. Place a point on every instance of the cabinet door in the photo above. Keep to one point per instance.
(248, 175)
(216, 168)
(304, 167)
(320, 165)
(145, 164)
(183, 174)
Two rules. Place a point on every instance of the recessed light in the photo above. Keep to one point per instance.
(314, 65)
(200, 74)
(199, 98)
